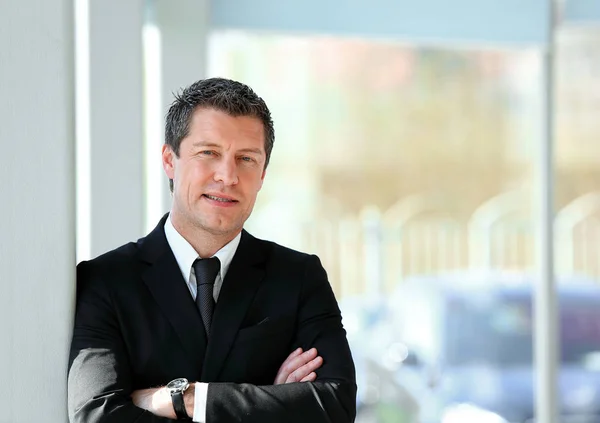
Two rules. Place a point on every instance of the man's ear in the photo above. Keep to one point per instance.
(168, 159)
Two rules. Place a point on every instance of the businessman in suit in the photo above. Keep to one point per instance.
(199, 320)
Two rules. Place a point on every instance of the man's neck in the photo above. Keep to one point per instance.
(205, 243)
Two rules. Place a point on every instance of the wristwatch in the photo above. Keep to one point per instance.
(176, 388)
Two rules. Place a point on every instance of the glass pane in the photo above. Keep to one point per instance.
(578, 217)
(578, 151)
(408, 170)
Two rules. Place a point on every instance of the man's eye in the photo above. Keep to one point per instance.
(247, 159)
(207, 152)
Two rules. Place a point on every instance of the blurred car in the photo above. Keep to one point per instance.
(461, 346)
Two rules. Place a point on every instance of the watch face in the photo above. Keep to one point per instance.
(178, 384)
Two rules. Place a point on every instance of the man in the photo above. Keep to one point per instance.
(199, 319)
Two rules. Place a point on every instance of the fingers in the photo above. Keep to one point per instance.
(296, 363)
(304, 369)
(294, 353)
(284, 372)
(310, 378)
(298, 366)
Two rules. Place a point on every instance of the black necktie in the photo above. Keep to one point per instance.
(206, 272)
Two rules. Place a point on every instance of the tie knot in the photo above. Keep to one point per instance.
(206, 270)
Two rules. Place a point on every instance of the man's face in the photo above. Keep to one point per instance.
(218, 173)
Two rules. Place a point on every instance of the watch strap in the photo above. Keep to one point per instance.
(179, 405)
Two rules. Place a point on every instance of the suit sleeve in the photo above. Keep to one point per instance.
(331, 398)
(99, 381)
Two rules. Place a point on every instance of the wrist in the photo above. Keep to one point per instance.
(163, 404)
(188, 399)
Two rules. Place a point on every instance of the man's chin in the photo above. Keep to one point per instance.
(221, 228)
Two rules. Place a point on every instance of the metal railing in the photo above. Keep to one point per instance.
(374, 251)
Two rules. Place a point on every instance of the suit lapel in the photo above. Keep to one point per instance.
(239, 288)
(164, 280)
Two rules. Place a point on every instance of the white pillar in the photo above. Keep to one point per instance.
(545, 299)
(116, 125)
(37, 216)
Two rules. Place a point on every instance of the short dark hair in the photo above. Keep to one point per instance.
(225, 95)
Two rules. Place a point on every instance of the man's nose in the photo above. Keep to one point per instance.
(226, 171)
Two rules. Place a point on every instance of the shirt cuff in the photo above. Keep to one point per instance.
(200, 395)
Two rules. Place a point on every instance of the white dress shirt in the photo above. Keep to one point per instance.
(186, 255)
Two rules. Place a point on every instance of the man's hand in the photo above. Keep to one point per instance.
(299, 367)
(155, 400)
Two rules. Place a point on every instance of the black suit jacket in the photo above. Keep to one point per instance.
(137, 326)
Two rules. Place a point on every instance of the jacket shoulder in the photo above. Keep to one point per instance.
(281, 251)
(115, 266)
(285, 258)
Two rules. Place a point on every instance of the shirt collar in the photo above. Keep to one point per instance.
(185, 255)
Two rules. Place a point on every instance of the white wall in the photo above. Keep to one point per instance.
(116, 125)
(37, 218)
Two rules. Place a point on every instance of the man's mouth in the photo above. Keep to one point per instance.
(220, 199)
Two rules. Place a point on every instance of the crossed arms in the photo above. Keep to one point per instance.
(101, 382)
(299, 366)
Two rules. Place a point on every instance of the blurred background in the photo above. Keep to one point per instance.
(409, 169)
(411, 155)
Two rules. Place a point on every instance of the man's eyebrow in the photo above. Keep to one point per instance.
(251, 150)
(205, 144)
